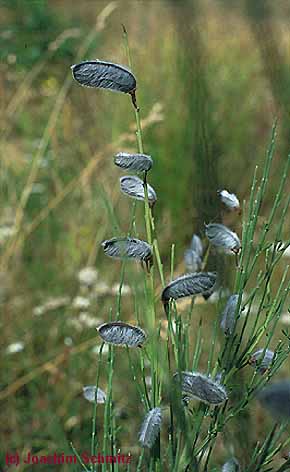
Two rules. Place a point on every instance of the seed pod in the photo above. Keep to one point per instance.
(122, 334)
(134, 188)
(196, 245)
(131, 248)
(232, 465)
(105, 75)
(137, 162)
(260, 361)
(228, 315)
(276, 399)
(230, 200)
(202, 387)
(199, 283)
(150, 427)
(192, 260)
(92, 395)
(222, 237)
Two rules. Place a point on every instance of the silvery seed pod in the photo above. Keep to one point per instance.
(276, 399)
(199, 283)
(232, 465)
(122, 334)
(228, 315)
(202, 387)
(230, 200)
(196, 245)
(104, 75)
(222, 237)
(137, 162)
(92, 396)
(134, 188)
(150, 427)
(262, 363)
(192, 261)
(131, 248)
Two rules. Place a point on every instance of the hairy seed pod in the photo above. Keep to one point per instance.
(202, 387)
(122, 334)
(230, 200)
(228, 315)
(134, 188)
(92, 395)
(222, 237)
(232, 465)
(200, 283)
(276, 399)
(131, 248)
(196, 245)
(262, 360)
(104, 75)
(137, 162)
(192, 260)
(150, 428)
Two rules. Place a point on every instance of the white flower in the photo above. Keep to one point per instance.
(50, 305)
(229, 199)
(125, 289)
(6, 232)
(15, 347)
(80, 303)
(88, 276)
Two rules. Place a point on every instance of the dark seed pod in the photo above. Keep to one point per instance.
(276, 399)
(104, 75)
(230, 200)
(262, 360)
(232, 465)
(150, 427)
(228, 315)
(192, 261)
(202, 387)
(222, 237)
(196, 245)
(137, 162)
(122, 334)
(134, 188)
(131, 248)
(92, 395)
(199, 283)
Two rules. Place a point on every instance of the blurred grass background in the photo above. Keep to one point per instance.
(212, 76)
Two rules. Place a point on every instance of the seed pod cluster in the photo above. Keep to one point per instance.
(232, 465)
(132, 186)
(93, 395)
(122, 334)
(201, 387)
(199, 283)
(128, 248)
(106, 75)
(276, 399)
(228, 315)
(230, 200)
(223, 238)
(150, 427)
(262, 360)
(137, 162)
(193, 255)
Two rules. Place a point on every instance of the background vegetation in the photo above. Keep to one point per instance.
(211, 79)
